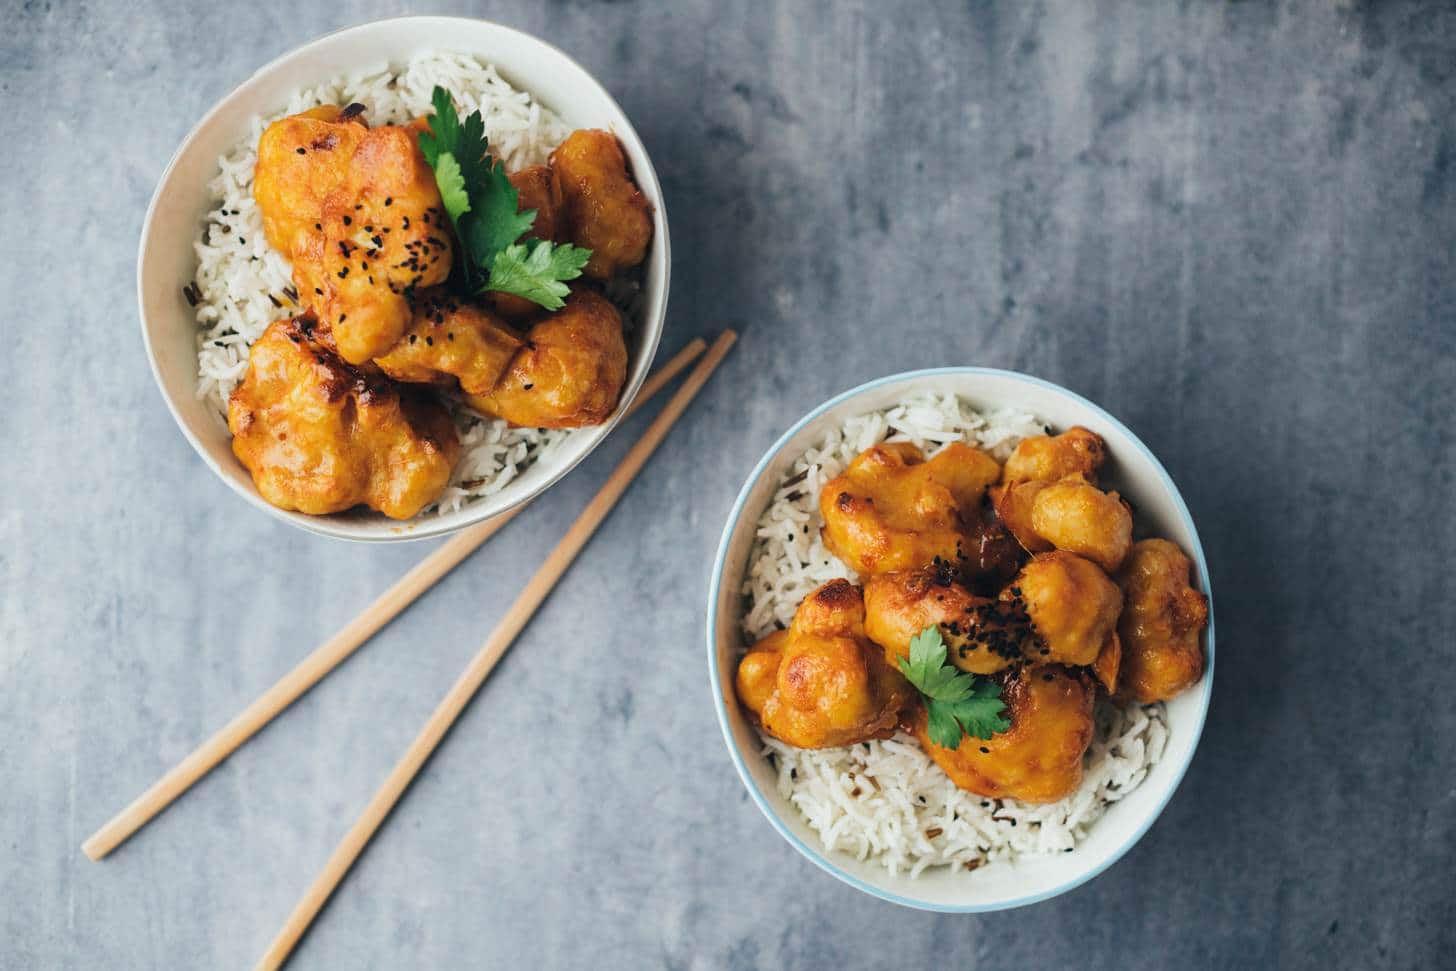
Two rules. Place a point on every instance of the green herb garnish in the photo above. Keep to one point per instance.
(956, 703)
(495, 253)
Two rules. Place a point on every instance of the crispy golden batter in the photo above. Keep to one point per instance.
(570, 371)
(1072, 604)
(1161, 650)
(604, 209)
(450, 341)
(821, 683)
(537, 188)
(357, 212)
(1039, 758)
(1012, 502)
(980, 637)
(1076, 516)
(322, 436)
(1048, 458)
(892, 510)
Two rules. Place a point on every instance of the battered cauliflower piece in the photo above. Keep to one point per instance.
(981, 637)
(450, 342)
(604, 210)
(570, 371)
(1072, 604)
(893, 510)
(1162, 653)
(321, 436)
(1012, 502)
(1075, 516)
(1039, 758)
(821, 683)
(1049, 458)
(357, 212)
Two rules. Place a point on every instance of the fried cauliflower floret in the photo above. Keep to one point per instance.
(1162, 653)
(1072, 604)
(321, 436)
(449, 342)
(570, 371)
(1075, 516)
(604, 210)
(980, 637)
(1039, 758)
(536, 188)
(821, 683)
(1048, 458)
(1012, 502)
(893, 510)
(357, 212)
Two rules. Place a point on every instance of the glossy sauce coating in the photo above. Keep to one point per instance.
(821, 683)
(603, 208)
(321, 436)
(980, 638)
(357, 213)
(452, 342)
(1039, 759)
(1072, 604)
(569, 371)
(893, 510)
(1162, 623)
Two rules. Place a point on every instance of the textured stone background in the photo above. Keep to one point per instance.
(1230, 223)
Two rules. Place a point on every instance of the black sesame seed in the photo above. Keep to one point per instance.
(348, 221)
(430, 341)
(413, 338)
(301, 151)
(388, 201)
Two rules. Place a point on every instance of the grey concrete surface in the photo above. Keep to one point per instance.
(1230, 223)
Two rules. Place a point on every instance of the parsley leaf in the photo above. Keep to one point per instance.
(956, 703)
(452, 187)
(493, 222)
(483, 207)
(534, 270)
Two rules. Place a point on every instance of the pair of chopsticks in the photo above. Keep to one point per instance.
(333, 651)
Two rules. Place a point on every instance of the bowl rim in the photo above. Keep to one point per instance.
(818, 856)
(414, 528)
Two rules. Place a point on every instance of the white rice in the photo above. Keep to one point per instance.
(883, 800)
(238, 271)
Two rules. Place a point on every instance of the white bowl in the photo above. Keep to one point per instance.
(1160, 511)
(166, 261)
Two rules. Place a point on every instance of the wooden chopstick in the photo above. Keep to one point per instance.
(480, 666)
(331, 653)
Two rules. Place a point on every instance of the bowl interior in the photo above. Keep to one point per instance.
(1135, 473)
(166, 261)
